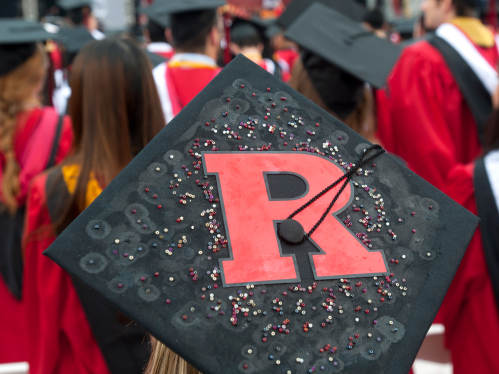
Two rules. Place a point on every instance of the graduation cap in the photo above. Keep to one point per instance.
(273, 30)
(74, 39)
(348, 8)
(405, 27)
(344, 43)
(18, 42)
(183, 6)
(159, 17)
(74, 4)
(189, 17)
(192, 239)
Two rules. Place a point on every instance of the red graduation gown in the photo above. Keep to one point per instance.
(32, 146)
(286, 59)
(60, 338)
(181, 79)
(187, 82)
(424, 119)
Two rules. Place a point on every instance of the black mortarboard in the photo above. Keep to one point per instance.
(405, 27)
(182, 6)
(243, 31)
(159, 17)
(185, 240)
(273, 30)
(345, 44)
(189, 17)
(73, 40)
(348, 8)
(18, 42)
(73, 4)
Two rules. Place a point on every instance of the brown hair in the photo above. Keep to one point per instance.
(165, 361)
(115, 111)
(361, 119)
(16, 96)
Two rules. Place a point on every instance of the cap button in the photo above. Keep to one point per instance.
(291, 231)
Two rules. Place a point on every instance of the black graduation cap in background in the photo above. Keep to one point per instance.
(155, 14)
(18, 42)
(348, 8)
(74, 39)
(182, 6)
(344, 43)
(74, 4)
(185, 240)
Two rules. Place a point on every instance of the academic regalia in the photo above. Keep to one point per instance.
(286, 59)
(32, 144)
(238, 263)
(429, 123)
(41, 139)
(73, 330)
(162, 49)
(182, 78)
(161, 19)
(186, 74)
(333, 68)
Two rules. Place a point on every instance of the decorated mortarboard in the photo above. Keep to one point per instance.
(74, 4)
(344, 43)
(183, 6)
(258, 234)
(348, 8)
(18, 42)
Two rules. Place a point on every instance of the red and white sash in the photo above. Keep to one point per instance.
(460, 42)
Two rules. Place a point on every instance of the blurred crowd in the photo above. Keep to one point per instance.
(78, 103)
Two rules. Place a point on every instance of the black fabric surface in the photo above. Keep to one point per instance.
(344, 43)
(11, 266)
(426, 260)
(472, 89)
(489, 222)
(181, 6)
(20, 31)
(124, 345)
(348, 8)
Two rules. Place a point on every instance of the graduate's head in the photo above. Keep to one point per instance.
(22, 74)
(196, 32)
(437, 12)
(114, 108)
(245, 36)
(156, 32)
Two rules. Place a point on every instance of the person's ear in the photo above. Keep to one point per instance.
(214, 36)
(168, 36)
(147, 35)
(234, 48)
(260, 47)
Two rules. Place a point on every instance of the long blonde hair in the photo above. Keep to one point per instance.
(165, 361)
(16, 97)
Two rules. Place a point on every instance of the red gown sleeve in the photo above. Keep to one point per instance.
(60, 339)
